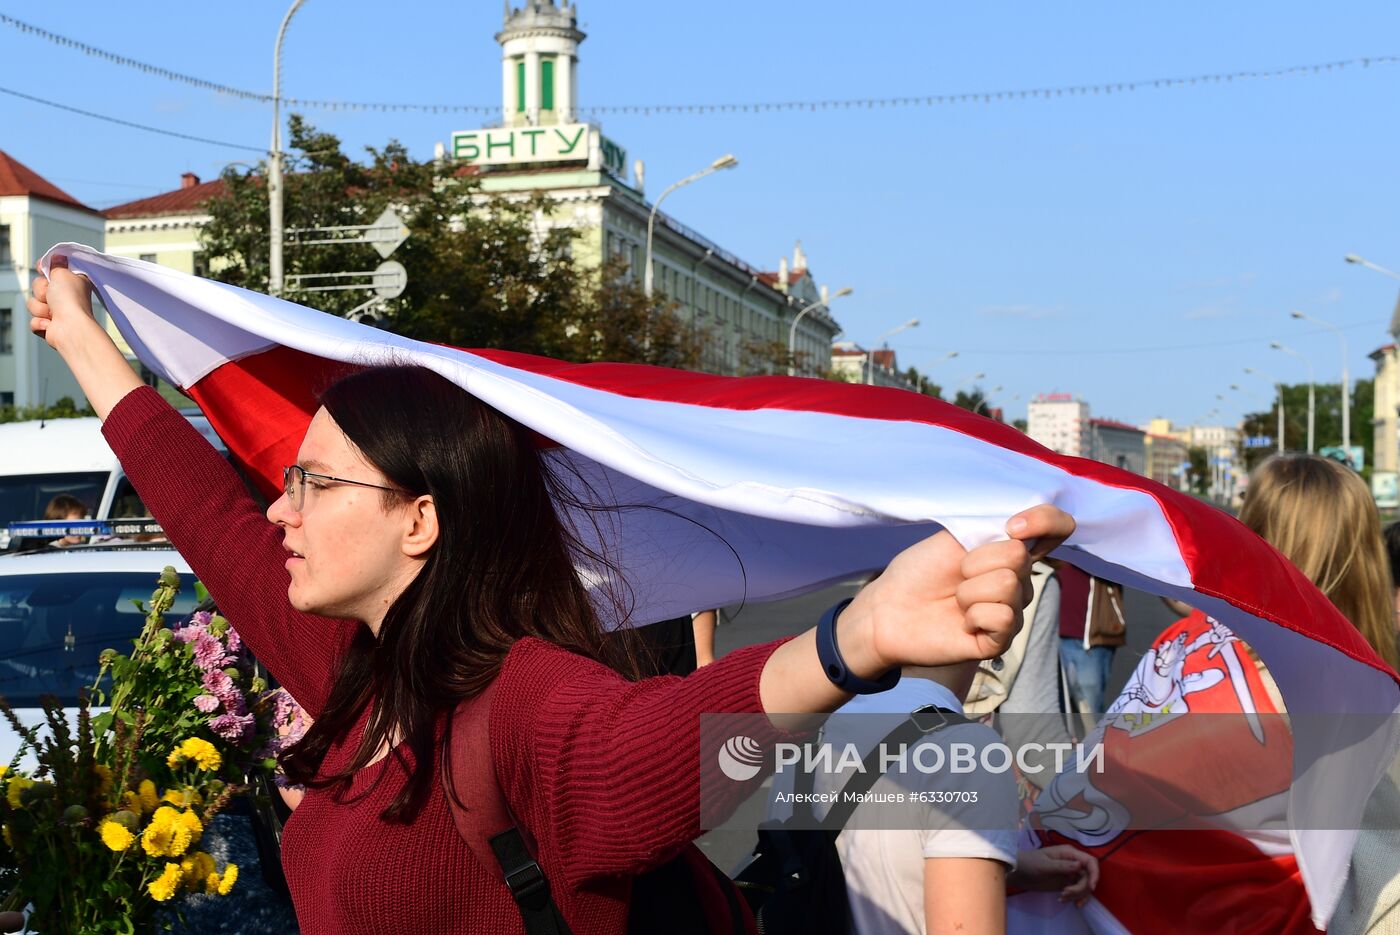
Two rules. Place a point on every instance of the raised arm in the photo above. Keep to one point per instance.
(195, 494)
(936, 604)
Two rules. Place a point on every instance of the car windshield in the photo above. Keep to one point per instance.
(26, 496)
(53, 627)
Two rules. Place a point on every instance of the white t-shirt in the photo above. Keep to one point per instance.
(884, 866)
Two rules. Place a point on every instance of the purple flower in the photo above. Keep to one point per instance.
(235, 727)
(207, 703)
(208, 652)
(232, 700)
(187, 633)
(217, 682)
(235, 642)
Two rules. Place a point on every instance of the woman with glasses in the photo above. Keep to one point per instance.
(422, 560)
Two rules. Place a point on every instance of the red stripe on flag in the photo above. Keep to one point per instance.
(1170, 882)
(261, 404)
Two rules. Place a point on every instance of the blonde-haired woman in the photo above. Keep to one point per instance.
(1320, 515)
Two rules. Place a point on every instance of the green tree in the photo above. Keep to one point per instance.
(482, 271)
(1198, 474)
(1328, 420)
(973, 400)
(922, 384)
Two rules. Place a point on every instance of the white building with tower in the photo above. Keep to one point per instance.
(541, 146)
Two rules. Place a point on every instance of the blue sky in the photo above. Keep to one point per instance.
(1138, 249)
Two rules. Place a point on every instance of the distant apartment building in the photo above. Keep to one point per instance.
(1118, 444)
(1060, 421)
(1167, 459)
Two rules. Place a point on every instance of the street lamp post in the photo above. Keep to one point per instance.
(274, 162)
(723, 162)
(1346, 380)
(870, 355)
(1312, 398)
(1353, 258)
(1279, 387)
(792, 332)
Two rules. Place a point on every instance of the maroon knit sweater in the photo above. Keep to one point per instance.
(601, 771)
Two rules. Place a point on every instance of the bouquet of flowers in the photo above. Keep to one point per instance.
(106, 832)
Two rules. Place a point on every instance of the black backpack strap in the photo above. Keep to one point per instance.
(527, 884)
(922, 722)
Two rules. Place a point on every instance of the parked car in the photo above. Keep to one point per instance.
(59, 608)
(42, 459)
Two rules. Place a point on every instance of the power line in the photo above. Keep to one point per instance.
(648, 110)
(1076, 351)
(128, 123)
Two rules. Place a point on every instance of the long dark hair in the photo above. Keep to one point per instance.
(503, 567)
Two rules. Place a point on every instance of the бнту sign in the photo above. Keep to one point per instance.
(509, 146)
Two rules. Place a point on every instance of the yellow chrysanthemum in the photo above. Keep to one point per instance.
(115, 836)
(230, 877)
(9, 839)
(168, 835)
(132, 803)
(149, 798)
(197, 868)
(164, 886)
(198, 751)
(15, 789)
(3, 771)
(192, 824)
(183, 798)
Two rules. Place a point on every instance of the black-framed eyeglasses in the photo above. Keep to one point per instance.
(294, 484)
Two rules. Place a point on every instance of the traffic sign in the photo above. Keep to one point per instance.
(387, 233)
(1259, 441)
(390, 279)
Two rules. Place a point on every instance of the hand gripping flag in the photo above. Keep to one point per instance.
(759, 488)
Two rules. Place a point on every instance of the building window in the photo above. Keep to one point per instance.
(547, 84)
(6, 320)
(520, 86)
(7, 398)
(5, 258)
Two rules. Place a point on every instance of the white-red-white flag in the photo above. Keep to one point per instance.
(772, 486)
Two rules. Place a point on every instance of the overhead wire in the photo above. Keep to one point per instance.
(647, 110)
(130, 123)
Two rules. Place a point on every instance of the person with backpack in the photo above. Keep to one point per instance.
(435, 627)
(942, 863)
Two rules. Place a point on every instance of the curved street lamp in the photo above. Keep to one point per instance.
(726, 161)
(1353, 258)
(1312, 399)
(1279, 386)
(274, 162)
(792, 332)
(870, 355)
(1346, 381)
